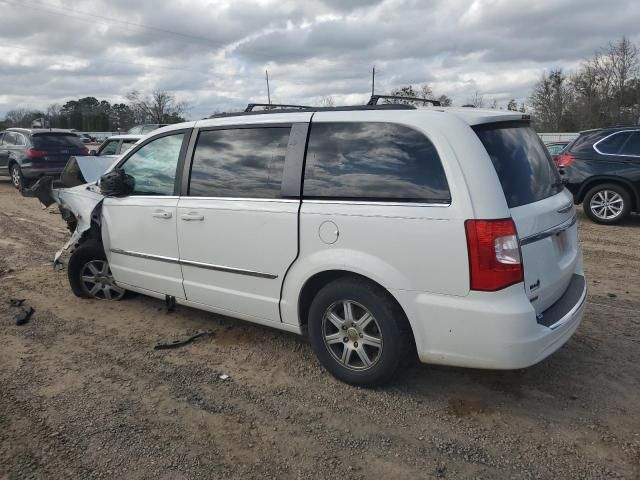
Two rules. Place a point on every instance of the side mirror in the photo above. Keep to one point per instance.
(116, 183)
(93, 152)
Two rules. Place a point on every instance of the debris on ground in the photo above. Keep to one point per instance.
(181, 342)
(224, 376)
(16, 302)
(24, 311)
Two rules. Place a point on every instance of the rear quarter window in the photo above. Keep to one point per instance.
(523, 165)
(373, 161)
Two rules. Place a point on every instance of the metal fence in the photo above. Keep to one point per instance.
(101, 136)
(557, 137)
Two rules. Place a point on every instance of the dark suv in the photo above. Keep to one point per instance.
(602, 169)
(27, 154)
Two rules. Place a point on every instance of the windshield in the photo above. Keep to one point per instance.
(523, 165)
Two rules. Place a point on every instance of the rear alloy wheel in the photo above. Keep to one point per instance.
(607, 204)
(16, 176)
(358, 332)
(90, 275)
(352, 335)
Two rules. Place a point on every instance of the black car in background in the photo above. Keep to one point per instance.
(602, 169)
(29, 153)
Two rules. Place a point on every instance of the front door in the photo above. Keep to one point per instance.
(139, 231)
(238, 231)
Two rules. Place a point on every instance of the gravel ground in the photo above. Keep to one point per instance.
(83, 394)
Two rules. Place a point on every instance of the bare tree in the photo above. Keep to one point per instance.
(327, 101)
(425, 91)
(551, 100)
(160, 107)
(512, 105)
(21, 117)
(477, 100)
(623, 57)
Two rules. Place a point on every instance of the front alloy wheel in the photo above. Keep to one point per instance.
(90, 275)
(98, 281)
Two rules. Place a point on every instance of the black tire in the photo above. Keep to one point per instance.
(91, 252)
(591, 200)
(17, 179)
(390, 325)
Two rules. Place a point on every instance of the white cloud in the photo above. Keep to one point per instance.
(212, 54)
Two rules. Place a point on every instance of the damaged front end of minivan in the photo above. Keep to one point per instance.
(78, 195)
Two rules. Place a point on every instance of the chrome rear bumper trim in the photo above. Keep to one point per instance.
(550, 232)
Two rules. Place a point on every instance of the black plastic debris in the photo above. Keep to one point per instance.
(24, 315)
(181, 342)
(24, 311)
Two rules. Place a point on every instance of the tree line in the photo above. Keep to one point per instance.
(604, 91)
(89, 114)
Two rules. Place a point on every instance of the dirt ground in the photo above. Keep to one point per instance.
(83, 394)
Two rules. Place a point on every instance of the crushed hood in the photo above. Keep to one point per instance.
(86, 169)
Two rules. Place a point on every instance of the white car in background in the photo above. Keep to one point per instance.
(376, 231)
(116, 145)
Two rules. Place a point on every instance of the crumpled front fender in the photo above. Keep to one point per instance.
(85, 203)
(75, 192)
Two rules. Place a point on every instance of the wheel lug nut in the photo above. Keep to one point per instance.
(345, 339)
(355, 344)
(344, 327)
(361, 335)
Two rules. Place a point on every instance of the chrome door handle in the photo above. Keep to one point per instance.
(161, 214)
(192, 217)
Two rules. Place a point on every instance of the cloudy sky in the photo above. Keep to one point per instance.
(212, 53)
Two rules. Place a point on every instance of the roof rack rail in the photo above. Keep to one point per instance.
(374, 99)
(272, 106)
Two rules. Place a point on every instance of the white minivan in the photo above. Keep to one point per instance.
(377, 231)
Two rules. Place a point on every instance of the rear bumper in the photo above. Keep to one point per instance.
(36, 170)
(497, 330)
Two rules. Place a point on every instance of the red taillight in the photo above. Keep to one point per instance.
(35, 153)
(494, 254)
(84, 151)
(564, 160)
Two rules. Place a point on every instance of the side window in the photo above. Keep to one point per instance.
(10, 138)
(243, 163)
(20, 139)
(1, 138)
(109, 148)
(611, 145)
(154, 166)
(373, 161)
(632, 147)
